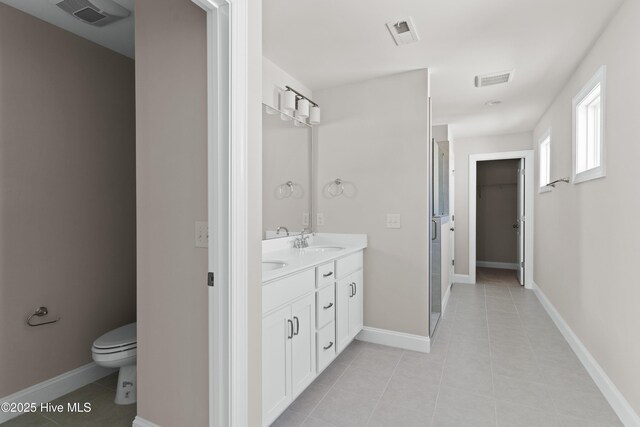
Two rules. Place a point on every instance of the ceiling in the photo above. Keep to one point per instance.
(334, 42)
(119, 36)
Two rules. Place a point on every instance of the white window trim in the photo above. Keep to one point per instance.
(543, 137)
(597, 172)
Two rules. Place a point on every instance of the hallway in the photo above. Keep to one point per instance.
(497, 360)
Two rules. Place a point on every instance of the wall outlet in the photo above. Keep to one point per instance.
(305, 219)
(320, 219)
(393, 221)
(202, 234)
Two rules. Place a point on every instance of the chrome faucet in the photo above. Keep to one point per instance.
(282, 227)
(302, 241)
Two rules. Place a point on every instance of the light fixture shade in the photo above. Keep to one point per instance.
(287, 101)
(314, 115)
(303, 108)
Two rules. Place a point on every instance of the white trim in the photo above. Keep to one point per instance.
(445, 300)
(616, 399)
(600, 171)
(227, 123)
(500, 265)
(395, 339)
(56, 387)
(546, 135)
(463, 279)
(528, 156)
(141, 422)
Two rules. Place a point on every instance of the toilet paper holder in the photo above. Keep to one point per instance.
(40, 312)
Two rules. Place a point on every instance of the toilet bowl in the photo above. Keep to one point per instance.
(118, 349)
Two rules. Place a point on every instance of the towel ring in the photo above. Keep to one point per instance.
(40, 312)
(336, 188)
(286, 189)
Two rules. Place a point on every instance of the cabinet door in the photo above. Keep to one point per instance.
(356, 305)
(303, 344)
(344, 290)
(276, 359)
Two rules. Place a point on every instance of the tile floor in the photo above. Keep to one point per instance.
(497, 360)
(104, 413)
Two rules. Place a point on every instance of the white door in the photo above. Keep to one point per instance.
(452, 211)
(355, 305)
(303, 343)
(277, 334)
(520, 222)
(343, 295)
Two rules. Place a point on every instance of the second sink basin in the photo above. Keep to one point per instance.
(272, 265)
(323, 248)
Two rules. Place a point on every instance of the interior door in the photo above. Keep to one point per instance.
(452, 211)
(520, 222)
(303, 344)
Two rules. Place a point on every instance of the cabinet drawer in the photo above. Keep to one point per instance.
(349, 264)
(326, 346)
(326, 308)
(288, 289)
(325, 274)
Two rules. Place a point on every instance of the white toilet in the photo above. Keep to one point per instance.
(118, 349)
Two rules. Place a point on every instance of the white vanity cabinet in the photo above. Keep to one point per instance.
(349, 293)
(288, 341)
(308, 318)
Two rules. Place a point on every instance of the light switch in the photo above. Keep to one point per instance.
(320, 219)
(393, 220)
(202, 234)
(305, 219)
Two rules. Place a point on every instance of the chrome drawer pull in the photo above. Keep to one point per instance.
(329, 346)
(327, 307)
(328, 274)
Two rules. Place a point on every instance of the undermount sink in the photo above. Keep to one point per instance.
(272, 265)
(323, 248)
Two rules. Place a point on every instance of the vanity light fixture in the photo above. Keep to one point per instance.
(305, 108)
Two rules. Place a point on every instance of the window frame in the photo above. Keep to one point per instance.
(546, 136)
(598, 171)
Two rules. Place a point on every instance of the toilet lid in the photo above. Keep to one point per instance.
(121, 336)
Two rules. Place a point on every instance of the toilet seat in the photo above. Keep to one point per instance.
(123, 336)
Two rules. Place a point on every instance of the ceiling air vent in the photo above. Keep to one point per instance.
(403, 31)
(494, 79)
(95, 12)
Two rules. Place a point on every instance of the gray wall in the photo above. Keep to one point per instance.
(171, 155)
(172, 194)
(587, 235)
(375, 136)
(496, 204)
(465, 147)
(67, 197)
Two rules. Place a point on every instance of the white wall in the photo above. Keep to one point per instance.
(463, 148)
(274, 80)
(588, 235)
(375, 136)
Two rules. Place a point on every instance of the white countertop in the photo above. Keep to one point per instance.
(281, 250)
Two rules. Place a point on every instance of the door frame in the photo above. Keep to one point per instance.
(528, 156)
(227, 191)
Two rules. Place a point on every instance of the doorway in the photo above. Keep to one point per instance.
(498, 200)
(501, 216)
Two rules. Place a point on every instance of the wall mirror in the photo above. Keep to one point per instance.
(286, 174)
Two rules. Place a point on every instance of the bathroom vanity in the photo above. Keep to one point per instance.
(312, 309)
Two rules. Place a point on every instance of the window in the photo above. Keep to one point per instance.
(544, 154)
(588, 129)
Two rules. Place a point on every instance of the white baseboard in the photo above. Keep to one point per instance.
(463, 279)
(445, 300)
(615, 398)
(53, 388)
(395, 339)
(501, 265)
(141, 422)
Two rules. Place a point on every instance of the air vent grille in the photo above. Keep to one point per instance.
(403, 31)
(97, 13)
(494, 79)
